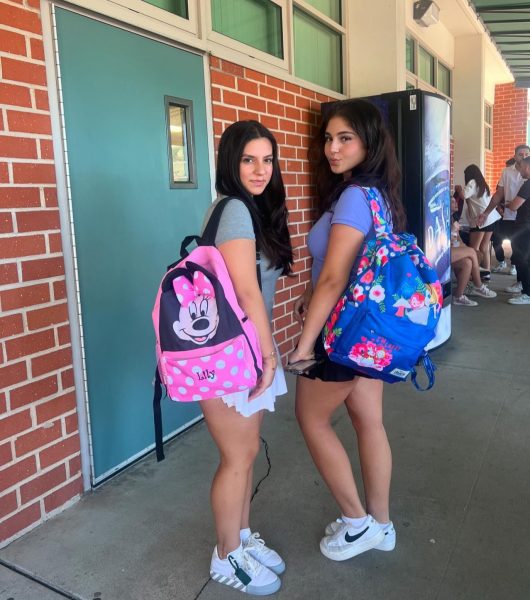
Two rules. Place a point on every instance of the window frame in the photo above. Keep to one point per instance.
(187, 105)
(488, 126)
(413, 77)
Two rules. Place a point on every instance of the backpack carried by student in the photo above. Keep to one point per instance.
(389, 312)
(206, 346)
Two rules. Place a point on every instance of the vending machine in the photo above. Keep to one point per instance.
(420, 123)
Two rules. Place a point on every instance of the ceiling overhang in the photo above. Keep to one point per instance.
(509, 26)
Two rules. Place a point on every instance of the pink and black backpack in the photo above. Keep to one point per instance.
(206, 346)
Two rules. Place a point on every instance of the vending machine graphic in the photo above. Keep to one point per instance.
(420, 123)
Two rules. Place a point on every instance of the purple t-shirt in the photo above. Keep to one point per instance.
(352, 208)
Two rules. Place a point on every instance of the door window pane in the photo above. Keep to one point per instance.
(180, 140)
(410, 55)
(444, 80)
(426, 65)
(177, 7)
(257, 23)
(317, 52)
(330, 8)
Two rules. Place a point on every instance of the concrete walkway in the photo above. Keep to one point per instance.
(460, 497)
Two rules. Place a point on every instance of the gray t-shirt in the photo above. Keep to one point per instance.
(236, 224)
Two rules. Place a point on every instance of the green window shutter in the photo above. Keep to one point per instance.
(317, 52)
(177, 7)
(257, 23)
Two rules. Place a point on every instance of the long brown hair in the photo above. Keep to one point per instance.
(379, 169)
(268, 210)
(473, 172)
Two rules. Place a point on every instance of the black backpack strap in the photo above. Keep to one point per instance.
(210, 231)
(157, 412)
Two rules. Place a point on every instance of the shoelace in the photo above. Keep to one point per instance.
(248, 563)
(255, 542)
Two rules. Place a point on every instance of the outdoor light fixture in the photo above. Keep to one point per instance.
(426, 13)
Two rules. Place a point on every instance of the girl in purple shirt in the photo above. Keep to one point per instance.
(353, 148)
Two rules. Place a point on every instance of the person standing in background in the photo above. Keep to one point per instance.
(477, 198)
(521, 236)
(509, 185)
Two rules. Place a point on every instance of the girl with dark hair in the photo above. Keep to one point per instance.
(352, 149)
(477, 197)
(255, 218)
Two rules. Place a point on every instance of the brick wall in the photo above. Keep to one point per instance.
(291, 112)
(39, 442)
(509, 125)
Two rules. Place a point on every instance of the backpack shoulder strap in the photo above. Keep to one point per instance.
(210, 231)
(381, 225)
(157, 414)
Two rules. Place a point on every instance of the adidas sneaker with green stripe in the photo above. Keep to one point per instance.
(241, 571)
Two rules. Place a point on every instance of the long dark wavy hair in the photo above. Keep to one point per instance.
(268, 210)
(473, 172)
(379, 169)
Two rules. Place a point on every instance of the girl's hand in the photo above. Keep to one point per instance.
(297, 355)
(300, 306)
(267, 376)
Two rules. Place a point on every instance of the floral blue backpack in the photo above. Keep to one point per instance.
(389, 312)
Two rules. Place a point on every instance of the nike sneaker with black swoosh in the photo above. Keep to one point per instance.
(387, 545)
(348, 541)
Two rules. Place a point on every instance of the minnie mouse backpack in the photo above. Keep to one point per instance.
(389, 313)
(206, 346)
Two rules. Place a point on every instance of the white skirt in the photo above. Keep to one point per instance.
(266, 401)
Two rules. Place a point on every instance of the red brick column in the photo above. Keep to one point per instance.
(39, 441)
(509, 125)
(291, 112)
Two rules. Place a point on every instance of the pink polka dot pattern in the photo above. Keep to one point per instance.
(211, 372)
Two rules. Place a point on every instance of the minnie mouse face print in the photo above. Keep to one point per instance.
(198, 317)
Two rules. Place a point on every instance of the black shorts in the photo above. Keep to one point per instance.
(328, 370)
(487, 228)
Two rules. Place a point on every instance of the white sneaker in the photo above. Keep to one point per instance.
(388, 543)
(500, 267)
(256, 547)
(463, 300)
(513, 270)
(348, 541)
(522, 299)
(244, 573)
(516, 288)
(483, 291)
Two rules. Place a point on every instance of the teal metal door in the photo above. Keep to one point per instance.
(128, 221)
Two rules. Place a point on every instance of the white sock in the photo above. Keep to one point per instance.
(384, 525)
(356, 523)
(244, 534)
